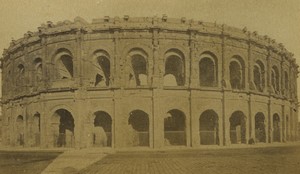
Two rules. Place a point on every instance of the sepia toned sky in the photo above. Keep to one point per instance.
(280, 19)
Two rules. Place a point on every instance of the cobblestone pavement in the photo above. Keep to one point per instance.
(267, 160)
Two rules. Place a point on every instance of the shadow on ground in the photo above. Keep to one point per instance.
(25, 162)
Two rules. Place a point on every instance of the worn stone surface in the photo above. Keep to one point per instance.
(164, 74)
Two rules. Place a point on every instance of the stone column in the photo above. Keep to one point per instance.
(270, 123)
(283, 120)
(251, 118)
(44, 123)
(194, 65)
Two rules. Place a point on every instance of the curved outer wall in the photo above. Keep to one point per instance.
(38, 80)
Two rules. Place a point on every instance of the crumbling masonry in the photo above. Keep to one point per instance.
(153, 82)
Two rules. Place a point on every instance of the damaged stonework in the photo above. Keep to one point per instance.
(146, 82)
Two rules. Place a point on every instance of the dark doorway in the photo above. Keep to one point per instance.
(237, 128)
(65, 137)
(276, 128)
(260, 131)
(174, 128)
(138, 134)
(102, 136)
(36, 129)
(209, 131)
(20, 130)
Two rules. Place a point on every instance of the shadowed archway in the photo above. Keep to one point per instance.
(174, 128)
(63, 128)
(102, 131)
(20, 128)
(238, 128)
(276, 128)
(138, 123)
(209, 128)
(260, 131)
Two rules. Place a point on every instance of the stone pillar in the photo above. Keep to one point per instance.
(270, 123)
(118, 127)
(26, 126)
(269, 84)
(151, 124)
(250, 68)
(224, 86)
(226, 122)
(283, 120)
(251, 118)
(158, 120)
(194, 65)
(80, 116)
(195, 136)
(288, 118)
(221, 130)
(297, 124)
(281, 78)
(44, 123)
(248, 128)
(281, 124)
(192, 132)
(118, 62)
(156, 73)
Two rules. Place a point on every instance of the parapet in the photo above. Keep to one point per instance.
(147, 23)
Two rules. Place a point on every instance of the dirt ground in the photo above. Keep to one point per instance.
(267, 160)
(25, 162)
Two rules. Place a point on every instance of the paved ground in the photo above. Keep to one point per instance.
(72, 161)
(281, 158)
(263, 160)
(19, 162)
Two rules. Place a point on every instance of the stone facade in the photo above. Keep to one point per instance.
(153, 82)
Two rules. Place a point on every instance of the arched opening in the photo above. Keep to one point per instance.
(63, 128)
(260, 131)
(208, 70)
(102, 136)
(209, 128)
(20, 75)
(259, 77)
(64, 64)
(65, 67)
(174, 128)
(275, 79)
(21, 69)
(101, 69)
(38, 69)
(8, 80)
(237, 71)
(139, 68)
(237, 128)
(276, 128)
(138, 123)
(20, 131)
(36, 129)
(174, 66)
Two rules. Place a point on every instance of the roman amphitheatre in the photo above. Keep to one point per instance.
(152, 82)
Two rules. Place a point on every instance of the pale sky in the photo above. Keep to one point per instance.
(280, 19)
